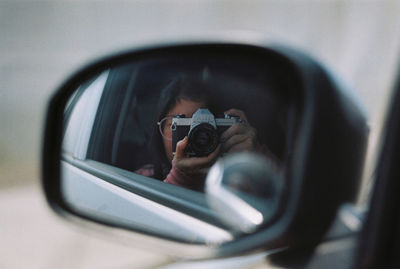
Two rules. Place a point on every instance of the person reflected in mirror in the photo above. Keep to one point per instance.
(186, 171)
(185, 96)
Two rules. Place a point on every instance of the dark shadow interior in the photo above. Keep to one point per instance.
(127, 119)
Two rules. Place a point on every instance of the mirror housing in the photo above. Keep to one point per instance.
(323, 172)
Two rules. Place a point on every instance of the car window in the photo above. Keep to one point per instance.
(80, 115)
(126, 121)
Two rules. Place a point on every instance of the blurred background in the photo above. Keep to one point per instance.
(44, 42)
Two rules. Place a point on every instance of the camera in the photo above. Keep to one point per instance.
(203, 131)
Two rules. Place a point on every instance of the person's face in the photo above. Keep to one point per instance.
(183, 106)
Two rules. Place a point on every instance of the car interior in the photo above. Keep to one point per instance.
(125, 120)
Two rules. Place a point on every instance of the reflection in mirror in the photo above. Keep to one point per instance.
(140, 138)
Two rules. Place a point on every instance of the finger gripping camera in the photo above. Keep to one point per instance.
(203, 131)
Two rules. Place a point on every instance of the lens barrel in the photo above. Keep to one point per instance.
(203, 139)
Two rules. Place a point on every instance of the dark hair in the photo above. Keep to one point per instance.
(182, 88)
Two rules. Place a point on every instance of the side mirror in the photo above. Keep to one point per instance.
(281, 140)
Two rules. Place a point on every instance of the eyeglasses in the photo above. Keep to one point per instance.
(165, 127)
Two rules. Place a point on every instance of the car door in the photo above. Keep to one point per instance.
(379, 242)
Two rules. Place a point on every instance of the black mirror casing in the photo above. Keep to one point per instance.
(335, 139)
(323, 170)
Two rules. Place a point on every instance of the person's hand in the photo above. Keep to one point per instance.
(193, 166)
(240, 136)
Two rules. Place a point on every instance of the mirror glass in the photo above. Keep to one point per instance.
(140, 137)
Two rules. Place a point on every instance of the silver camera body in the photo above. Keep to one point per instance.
(203, 131)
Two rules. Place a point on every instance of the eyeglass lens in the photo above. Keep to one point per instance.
(165, 127)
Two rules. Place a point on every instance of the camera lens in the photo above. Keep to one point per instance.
(203, 139)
